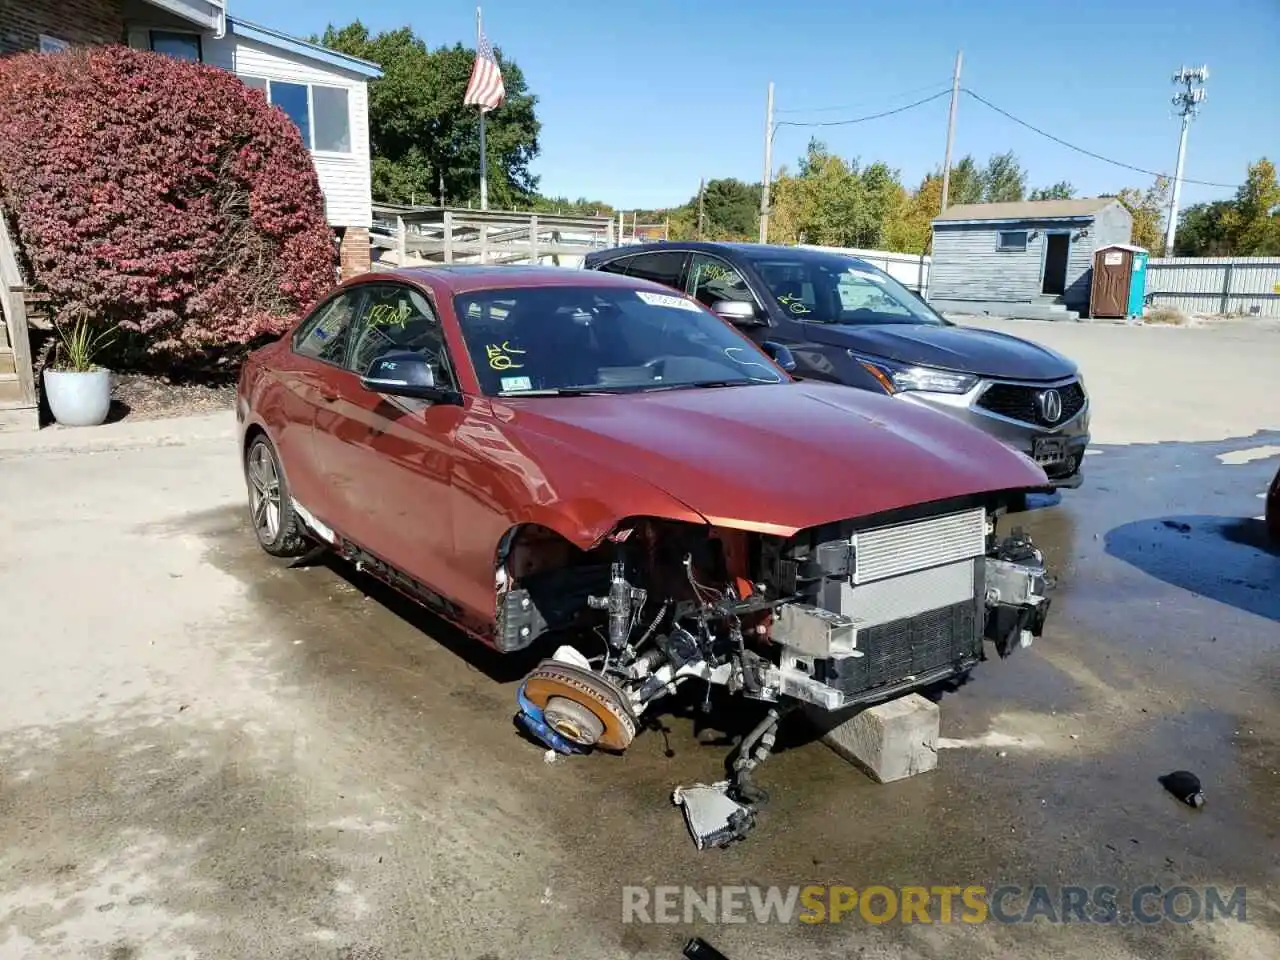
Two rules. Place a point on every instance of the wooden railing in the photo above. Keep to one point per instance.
(13, 304)
(451, 234)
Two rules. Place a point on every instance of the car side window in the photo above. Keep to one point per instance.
(711, 281)
(397, 317)
(662, 267)
(616, 266)
(324, 335)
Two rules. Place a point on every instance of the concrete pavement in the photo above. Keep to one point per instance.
(205, 753)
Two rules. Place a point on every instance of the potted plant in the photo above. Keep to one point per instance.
(78, 390)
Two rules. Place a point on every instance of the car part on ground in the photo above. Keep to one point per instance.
(714, 818)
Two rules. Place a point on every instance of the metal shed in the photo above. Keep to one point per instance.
(1032, 258)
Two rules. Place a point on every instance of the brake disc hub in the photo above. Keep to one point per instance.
(581, 706)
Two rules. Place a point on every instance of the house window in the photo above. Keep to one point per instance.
(1012, 240)
(322, 114)
(53, 44)
(183, 46)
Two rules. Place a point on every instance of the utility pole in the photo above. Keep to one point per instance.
(768, 166)
(702, 210)
(951, 131)
(1187, 101)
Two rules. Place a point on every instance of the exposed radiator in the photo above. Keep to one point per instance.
(919, 545)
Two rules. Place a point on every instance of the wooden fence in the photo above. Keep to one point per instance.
(462, 235)
(13, 305)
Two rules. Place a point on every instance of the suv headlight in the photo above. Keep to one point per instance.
(898, 377)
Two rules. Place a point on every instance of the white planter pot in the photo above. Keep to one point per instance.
(78, 399)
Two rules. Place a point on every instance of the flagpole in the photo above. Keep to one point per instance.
(484, 165)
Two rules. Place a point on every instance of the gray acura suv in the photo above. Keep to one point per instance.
(849, 322)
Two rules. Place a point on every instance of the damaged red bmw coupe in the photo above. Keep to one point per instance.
(601, 465)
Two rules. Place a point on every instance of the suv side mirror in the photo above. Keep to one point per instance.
(403, 373)
(781, 354)
(741, 313)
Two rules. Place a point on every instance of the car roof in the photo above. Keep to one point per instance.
(458, 278)
(752, 250)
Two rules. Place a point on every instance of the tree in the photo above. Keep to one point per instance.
(911, 231)
(1252, 222)
(160, 197)
(731, 209)
(423, 138)
(967, 182)
(1147, 209)
(1003, 179)
(1201, 232)
(1062, 190)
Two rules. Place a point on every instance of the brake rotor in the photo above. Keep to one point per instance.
(552, 679)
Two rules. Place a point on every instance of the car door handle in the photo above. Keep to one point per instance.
(326, 395)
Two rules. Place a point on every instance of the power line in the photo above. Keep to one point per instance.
(1090, 153)
(861, 103)
(873, 116)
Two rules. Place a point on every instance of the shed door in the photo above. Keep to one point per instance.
(1110, 293)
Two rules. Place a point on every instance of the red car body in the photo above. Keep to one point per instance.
(438, 498)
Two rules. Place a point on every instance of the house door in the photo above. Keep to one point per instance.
(1057, 246)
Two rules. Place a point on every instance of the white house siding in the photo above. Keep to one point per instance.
(344, 178)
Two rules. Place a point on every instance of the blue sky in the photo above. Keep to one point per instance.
(639, 98)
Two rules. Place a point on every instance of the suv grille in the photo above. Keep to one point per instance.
(1020, 402)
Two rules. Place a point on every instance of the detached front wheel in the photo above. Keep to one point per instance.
(270, 507)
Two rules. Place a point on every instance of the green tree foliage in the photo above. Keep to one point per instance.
(1252, 223)
(1201, 232)
(1003, 179)
(1248, 225)
(422, 135)
(832, 202)
(1061, 190)
(1147, 208)
(967, 180)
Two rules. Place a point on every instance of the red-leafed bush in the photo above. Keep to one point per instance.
(160, 196)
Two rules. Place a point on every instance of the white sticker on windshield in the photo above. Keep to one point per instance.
(873, 277)
(517, 383)
(666, 300)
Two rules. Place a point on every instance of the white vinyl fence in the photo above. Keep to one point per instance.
(909, 269)
(1219, 285)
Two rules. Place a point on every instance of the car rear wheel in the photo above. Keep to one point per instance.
(271, 511)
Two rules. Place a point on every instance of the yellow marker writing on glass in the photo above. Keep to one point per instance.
(499, 356)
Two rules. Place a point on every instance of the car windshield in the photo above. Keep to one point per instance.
(825, 288)
(598, 339)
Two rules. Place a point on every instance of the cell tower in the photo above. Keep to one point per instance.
(1187, 102)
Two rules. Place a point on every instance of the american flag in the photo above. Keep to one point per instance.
(485, 88)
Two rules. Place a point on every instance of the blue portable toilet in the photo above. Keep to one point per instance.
(1119, 286)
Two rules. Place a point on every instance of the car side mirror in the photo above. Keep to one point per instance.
(741, 313)
(781, 354)
(403, 373)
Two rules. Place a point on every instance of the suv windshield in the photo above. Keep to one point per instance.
(562, 340)
(827, 288)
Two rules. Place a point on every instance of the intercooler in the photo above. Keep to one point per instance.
(895, 604)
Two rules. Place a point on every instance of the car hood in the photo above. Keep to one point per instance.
(966, 349)
(779, 458)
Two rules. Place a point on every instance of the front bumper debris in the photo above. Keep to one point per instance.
(714, 818)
